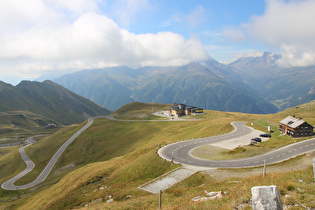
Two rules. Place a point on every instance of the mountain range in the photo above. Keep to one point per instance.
(283, 86)
(249, 84)
(32, 104)
(210, 85)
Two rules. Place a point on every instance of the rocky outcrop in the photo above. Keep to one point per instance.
(266, 197)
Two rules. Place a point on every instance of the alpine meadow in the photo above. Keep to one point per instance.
(142, 104)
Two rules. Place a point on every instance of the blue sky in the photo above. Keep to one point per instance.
(60, 36)
(204, 19)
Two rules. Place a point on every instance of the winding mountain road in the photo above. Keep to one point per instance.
(180, 152)
(177, 152)
(9, 184)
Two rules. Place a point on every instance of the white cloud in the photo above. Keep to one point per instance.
(227, 54)
(290, 26)
(296, 56)
(252, 54)
(44, 37)
(126, 10)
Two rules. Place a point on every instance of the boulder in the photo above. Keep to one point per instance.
(266, 197)
(215, 194)
(211, 194)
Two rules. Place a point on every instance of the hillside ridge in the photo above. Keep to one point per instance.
(209, 85)
(36, 104)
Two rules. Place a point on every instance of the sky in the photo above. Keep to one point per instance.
(41, 37)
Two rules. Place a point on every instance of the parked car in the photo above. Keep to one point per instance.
(265, 135)
(257, 139)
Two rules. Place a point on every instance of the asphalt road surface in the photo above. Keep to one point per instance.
(9, 184)
(180, 152)
(11, 144)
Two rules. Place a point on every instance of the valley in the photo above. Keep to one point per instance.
(255, 85)
(208, 85)
(115, 157)
(142, 104)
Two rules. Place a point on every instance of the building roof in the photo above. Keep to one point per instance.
(292, 122)
(177, 106)
(196, 108)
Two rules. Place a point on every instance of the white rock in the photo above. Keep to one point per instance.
(266, 197)
(212, 194)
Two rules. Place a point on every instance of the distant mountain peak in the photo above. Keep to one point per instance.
(257, 61)
(260, 55)
(270, 56)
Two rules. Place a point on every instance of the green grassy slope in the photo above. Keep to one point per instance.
(139, 111)
(115, 157)
(58, 103)
(32, 105)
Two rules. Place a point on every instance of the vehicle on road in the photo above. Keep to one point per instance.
(265, 135)
(257, 139)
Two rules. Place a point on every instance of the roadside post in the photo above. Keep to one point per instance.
(264, 172)
(160, 199)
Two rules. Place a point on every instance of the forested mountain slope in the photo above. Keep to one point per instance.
(209, 85)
